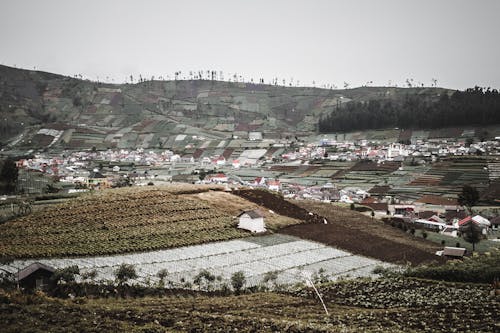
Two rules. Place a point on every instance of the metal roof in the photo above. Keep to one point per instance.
(27, 271)
(254, 214)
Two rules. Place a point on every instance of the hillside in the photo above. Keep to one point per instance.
(43, 110)
(392, 305)
(137, 219)
(128, 220)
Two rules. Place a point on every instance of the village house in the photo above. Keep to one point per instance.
(495, 223)
(377, 207)
(35, 276)
(478, 220)
(435, 203)
(220, 161)
(251, 220)
(259, 181)
(98, 180)
(274, 185)
(217, 178)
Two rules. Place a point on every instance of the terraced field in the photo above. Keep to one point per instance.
(286, 256)
(125, 220)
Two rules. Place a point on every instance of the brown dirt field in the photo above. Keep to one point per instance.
(234, 205)
(359, 234)
(278, 204)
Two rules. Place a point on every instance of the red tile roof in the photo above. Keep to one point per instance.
(466, 220)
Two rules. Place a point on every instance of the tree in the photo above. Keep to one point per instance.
(66, 274)
(8, 176)
(238, 281)
(162, 274)
(469, 197)
(204, 275)
(472, 233)
(124, 273)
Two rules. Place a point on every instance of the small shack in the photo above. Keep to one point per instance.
(452, 252)
(35, 276)
(252, 220)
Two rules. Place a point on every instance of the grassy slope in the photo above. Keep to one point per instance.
(128, 220)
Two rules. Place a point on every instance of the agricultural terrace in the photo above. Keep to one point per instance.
(393, 305)
(128, 220)
(359, 234)
(284, 257)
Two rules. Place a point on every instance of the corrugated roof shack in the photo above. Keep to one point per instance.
(35, 276)
(252, 220)
(452, 252)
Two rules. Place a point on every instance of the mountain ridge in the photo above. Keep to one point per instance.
(152, 114)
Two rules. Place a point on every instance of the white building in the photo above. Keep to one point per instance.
(252, 220)
(253, 136)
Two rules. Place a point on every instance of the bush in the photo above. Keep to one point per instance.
(204, 275)
(66, 274)
(480, 269)
(424, 235)
(238, 281)
(124, 273)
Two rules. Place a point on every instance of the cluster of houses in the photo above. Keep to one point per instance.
(429, 149)
(77, 166)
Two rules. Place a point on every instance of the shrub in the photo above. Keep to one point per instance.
(66, 274)
(238, 281)
(270, 276)
(90, 275)
(124, 273)
(424, 235)
(204, 275)
(478, 269)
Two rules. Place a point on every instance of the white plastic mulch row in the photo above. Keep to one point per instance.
(289, 258)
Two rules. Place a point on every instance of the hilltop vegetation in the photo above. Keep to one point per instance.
(463, 108)
(53, 111)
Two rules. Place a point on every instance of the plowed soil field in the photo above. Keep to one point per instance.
(359, 234)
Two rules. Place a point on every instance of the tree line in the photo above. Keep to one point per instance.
(474, 106)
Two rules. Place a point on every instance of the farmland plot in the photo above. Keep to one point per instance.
(288, 256)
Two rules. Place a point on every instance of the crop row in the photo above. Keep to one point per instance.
(288, 259)
(108, 241)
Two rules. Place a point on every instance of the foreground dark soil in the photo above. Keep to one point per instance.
(356, 233)
(394, 305)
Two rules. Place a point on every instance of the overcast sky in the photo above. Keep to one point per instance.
(329, 42)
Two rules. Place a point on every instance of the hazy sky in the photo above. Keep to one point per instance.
(327, 41)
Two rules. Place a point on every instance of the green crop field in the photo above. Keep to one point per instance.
(129, 220)
(384, 305)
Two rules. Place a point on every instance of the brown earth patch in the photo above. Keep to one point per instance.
(359, 234)
(278, 204)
